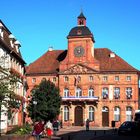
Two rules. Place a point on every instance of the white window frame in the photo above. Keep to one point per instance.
(54, 79)
(33, 80)
(91, 113)
(128, 113)
(128, 92)
(116, 92)
(78, 92)
(66, 79)
(105, 78)
(128, 78)
(66, 92)
(117, 78)
(116, 113)
(66, 113)
(91, 78)
(90, 92)
(105, 92)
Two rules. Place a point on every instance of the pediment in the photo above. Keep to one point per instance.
(79, 69)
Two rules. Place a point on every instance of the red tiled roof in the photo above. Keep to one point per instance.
(108, 63)
(49, 62)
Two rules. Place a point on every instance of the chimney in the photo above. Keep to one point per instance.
(50, 48)
(112, 55)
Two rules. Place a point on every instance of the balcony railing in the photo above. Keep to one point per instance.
(80, 98)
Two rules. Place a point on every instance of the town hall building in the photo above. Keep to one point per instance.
(94, 83)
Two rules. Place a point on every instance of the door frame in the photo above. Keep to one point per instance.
(78, 116)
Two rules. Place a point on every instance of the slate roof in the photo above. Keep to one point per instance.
(49, 62)
(81, 15)
(6, 44)
(74, 32)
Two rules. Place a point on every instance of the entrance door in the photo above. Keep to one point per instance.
(105, 116)
(78, 115)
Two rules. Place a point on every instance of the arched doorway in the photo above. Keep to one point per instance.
(78, 116)
(105, 116)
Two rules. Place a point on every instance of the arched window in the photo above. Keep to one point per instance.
(91, 113)
(105, 109)
(91, 92)
(66, 92)
(81, 22)
(105, 93)
(128, 113)
(66, 113)
(78, 92)
(116, 113)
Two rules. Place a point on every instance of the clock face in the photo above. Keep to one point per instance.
(79, 51)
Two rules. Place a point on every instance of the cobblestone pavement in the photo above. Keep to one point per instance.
(79, 133)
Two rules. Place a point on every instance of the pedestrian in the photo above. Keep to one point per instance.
(49, 129)
(55, 127)
(87, 124)
(38, 129)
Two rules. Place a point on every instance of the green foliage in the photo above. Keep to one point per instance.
(7, 85)
(26, 129)
(48, 101)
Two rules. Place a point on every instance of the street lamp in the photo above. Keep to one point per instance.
(34, 103)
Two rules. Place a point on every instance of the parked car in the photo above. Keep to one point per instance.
(128, 128)
(137, 116)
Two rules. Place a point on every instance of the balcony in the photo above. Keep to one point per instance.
(80, 98)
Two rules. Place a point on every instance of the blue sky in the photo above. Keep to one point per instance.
(38, 24)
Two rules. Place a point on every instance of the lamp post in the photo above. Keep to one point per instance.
(34, 103)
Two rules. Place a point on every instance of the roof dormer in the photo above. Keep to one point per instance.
(12, 39)
(17, 45)
(1, 31)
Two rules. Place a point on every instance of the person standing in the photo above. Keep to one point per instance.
(55, 127)
(49, 129)
(87, 124)
(38, 129)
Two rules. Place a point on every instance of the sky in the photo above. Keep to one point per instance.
(39, 24)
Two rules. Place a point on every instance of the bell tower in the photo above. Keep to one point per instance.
(81, 20)
(80, 45)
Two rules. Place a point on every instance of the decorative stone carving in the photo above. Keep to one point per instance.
(78, 69)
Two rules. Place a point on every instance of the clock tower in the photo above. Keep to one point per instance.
(80, 46)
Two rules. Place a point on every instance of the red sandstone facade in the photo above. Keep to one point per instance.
(94, 83)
